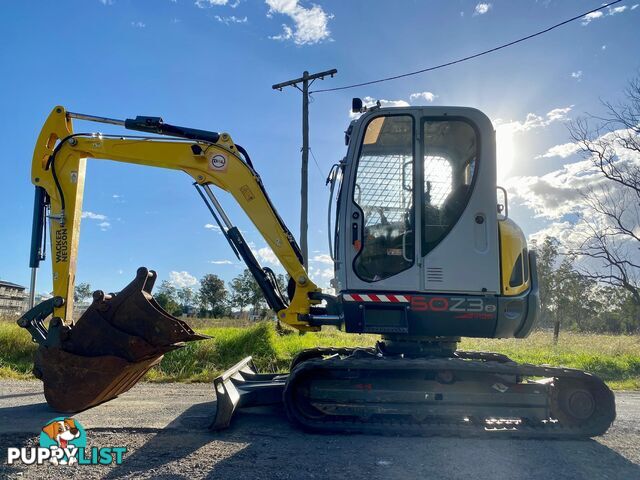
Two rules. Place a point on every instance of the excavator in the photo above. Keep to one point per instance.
(424, 253)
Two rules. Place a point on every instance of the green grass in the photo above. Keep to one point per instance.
(271, 352)
(614, 358)
(16, 351)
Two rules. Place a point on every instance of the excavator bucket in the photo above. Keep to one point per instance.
(111, 346)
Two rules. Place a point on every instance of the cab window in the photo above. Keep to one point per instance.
(383, 190)
(450, 151)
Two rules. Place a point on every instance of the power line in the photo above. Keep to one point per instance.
(316, 162)
(476, 55)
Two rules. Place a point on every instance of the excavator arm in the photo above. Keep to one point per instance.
(86, 361)
(58, 171)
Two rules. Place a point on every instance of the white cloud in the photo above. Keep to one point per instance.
(507, 131)
(563, 150)
(590, 17)
(614, 10)
(286, 34)
(370, 102)
(482, 8)
(231, 19)
(211, 226)
(557, 114)
(182, 279)
(266, 255)
(93, 216)
(428, 96)
(99, 217)
(554, 194)
(116, 196)
(604, 47)
(567, 233)
(211, 3)
(577, 75)
(106, 2)
(321, 276)
(310, 25)
(221, 262)
(560, 192)
(321, 271)
(533, 121)
(138, 24)
(322, 258)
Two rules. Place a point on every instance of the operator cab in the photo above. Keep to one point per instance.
(410, 176)
(416, 220)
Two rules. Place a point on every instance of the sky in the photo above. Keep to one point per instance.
(210, 64)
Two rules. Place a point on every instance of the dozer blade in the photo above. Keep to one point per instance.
(243, 386)
(111, 346)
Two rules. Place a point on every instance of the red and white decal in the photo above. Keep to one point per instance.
(370, 297)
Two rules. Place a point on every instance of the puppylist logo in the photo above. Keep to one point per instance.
(63, 441)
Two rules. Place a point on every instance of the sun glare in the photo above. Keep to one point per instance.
(505, 151)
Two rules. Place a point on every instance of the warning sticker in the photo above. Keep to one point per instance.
(248, 194)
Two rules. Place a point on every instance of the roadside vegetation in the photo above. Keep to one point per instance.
(615, 358)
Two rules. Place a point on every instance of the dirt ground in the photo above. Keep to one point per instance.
(164, 427)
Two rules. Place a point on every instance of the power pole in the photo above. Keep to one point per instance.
(306, 80)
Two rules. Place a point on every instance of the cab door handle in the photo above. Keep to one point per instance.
(355, 236)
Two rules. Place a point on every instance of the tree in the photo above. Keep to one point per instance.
(245, 291)
(81, 292)
(283, 283)
(547, 258)
(567, 297)
(213, 295)
(167, 298)
(187, 298)
(573, 297)
(611, 228)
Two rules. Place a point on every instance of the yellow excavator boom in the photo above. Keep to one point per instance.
(59, 165)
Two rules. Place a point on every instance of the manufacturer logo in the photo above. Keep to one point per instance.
(63, 441)
(218, 162)
(61, 245)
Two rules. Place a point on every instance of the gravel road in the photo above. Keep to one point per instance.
(164, 428)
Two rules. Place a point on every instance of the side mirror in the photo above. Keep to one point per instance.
(356, 105)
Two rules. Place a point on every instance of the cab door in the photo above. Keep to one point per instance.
(380, 225)
(459, 235)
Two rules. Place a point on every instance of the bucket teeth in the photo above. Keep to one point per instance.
(111, 346)
(136, 312)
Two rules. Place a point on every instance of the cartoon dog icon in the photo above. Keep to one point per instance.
(62, 432)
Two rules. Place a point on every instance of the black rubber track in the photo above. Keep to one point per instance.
(311, 363)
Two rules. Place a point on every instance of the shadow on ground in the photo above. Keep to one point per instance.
(261, 444)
